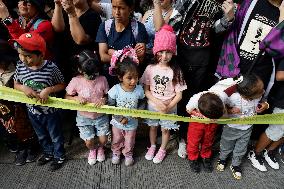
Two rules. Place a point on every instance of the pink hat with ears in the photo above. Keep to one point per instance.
(165, 39)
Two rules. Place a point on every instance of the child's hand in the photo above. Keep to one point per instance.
(82, 100)
(43, 95)
(262, 106)
(196, 113)
(161, 106)
(30, 93)
(228, 9)
(124, 121)
(234, 110)
(100, 103)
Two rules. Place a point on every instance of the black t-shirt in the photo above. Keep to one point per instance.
(196, 33)
(276, 96)
(262, 19)
(4, 34)
(90, 22)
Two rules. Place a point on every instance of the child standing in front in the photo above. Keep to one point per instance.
(243, 102)
(163, 83)
(39, 78)
(90, 87)
(126, 94)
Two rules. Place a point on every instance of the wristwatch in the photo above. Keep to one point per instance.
(7, 21)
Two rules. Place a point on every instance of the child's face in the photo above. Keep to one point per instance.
(164, 57)
(30, 59)
(129, 81)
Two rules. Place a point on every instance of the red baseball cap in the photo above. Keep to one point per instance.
(31, 42)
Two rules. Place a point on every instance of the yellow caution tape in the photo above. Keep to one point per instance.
(18, 96)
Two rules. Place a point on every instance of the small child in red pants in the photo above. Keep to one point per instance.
(200, 136)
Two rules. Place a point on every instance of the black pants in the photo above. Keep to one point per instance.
(194, 64)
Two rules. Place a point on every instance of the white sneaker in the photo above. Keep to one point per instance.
(182, 149)
(269, 156)
(256, 161)
(115, 159)
(128, 161)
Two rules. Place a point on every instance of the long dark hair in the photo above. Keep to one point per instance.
(178, 76)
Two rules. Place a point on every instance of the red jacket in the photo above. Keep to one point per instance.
(43, 27)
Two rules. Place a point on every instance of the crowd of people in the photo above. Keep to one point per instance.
(157, 55)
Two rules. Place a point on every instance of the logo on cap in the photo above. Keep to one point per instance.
(28, 35)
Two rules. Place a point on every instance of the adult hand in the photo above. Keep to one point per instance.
(110, 52)
(281, 9)
(4, 13)
(140, 49)
(69, 7)
(228, 9)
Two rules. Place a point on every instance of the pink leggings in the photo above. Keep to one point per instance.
(124, 140)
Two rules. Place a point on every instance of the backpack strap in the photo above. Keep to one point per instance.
(108, 26)
(134, 27)
(36, 23)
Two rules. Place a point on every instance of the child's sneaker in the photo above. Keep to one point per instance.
(44, 159)
(269, 156)
(281, 153)
(57, 163)
(207, 164)
(92, 158)
(182, 149)
(150, 153)
(159, 157)
(221, 164)
(257, 161)
(101, 154)
(32, 155)
(115, 159)
(195, 166)
(21, 157)
(128, 161)
(237, 172)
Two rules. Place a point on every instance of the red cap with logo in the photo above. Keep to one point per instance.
(31, 42)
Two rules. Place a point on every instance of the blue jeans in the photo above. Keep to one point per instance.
(49, 133)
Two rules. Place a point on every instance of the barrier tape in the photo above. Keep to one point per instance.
(18, 96)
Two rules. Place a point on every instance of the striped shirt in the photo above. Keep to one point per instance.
(46, 76)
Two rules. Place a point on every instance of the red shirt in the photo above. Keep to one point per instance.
(44, 28)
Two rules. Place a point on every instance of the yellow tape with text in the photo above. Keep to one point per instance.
(17, 96)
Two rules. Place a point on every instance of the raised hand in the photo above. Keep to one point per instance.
(228, 9)
(4, 13)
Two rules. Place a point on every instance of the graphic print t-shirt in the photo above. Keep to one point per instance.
(48, 75)
(197, 32)
(160, 79)
(262, 19)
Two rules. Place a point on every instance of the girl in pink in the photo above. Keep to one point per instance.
(90, 87)
(163, 85)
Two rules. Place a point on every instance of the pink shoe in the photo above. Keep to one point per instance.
(101, 154)
(150, 153)
(92, 157)
(159, 157)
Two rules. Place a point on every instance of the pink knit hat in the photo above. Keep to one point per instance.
(165, 39)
